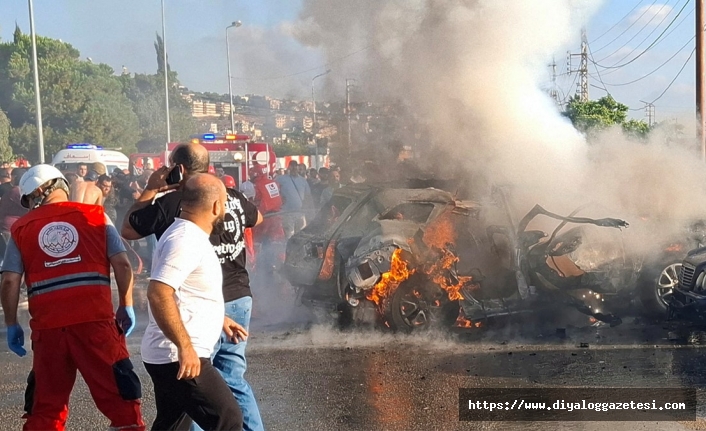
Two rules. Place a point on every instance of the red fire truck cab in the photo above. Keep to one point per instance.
(226, 152)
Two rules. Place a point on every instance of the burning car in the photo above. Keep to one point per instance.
(418, 257)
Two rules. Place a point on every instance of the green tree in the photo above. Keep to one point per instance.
(81, 101)
(5, 150)
(636, 129)
(594, 116)
(146, 93)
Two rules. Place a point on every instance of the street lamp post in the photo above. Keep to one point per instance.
(166, 78)
(35, 67)
(235, 24)
(313, 126)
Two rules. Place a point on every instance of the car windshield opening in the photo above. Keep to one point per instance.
(410, 211)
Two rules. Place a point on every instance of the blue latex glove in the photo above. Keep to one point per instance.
(126, 319)
(16, 339)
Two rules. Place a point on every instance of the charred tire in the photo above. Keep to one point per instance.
(655, 284)
(416, 306)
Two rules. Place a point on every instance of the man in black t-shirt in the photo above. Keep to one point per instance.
(154, 216)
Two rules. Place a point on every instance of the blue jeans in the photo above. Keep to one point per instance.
(229, 360)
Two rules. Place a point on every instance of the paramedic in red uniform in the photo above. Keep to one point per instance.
(269, 234)
(65, 251)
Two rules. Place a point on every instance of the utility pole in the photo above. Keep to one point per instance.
(349, 84)
(35, 69)
(649, 112)
(313, 125)
(582, 88)
(700, 69)
(553, 92)
(235, 24)
(166, 78)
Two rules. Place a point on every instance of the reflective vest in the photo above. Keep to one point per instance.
(67, 271)
(267, 196)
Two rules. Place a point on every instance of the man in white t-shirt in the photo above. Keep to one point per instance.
(186, 316)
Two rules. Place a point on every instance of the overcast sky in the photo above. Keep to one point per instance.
(264, 55)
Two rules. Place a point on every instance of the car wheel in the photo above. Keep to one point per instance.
(415, 306)
(657, 286)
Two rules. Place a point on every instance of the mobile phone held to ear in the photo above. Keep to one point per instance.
(175, 176)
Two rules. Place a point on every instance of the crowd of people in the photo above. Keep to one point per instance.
(64, 232)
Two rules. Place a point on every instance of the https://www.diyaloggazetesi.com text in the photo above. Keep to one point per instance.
(577, 404)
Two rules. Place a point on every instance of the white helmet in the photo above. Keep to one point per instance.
(34, 178)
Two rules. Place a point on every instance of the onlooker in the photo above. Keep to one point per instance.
(301, 170)
(229, 245)
(248, 188)
(99, 168)
(82, 170)
(296, 199)
(186, 316)
(73, 324)
(71, 178)
(105, 185)
(334, 183)
(148, 215)
(5, 181)
(312, 177)
(86, 191)
(319, 187)
(10, 207)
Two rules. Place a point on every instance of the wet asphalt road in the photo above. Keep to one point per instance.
(314, 377)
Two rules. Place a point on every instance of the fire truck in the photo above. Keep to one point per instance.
(226, 152)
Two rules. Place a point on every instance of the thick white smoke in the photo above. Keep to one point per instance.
(471, 71)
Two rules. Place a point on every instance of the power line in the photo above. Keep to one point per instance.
(334, 61)
(629, 27)
(679, 24)
(651, 45)
(597, 71)
(643, 40)
(640, 31)
(675, 78)
(655, 70)
(618, 22)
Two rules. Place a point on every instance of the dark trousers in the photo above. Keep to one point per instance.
(206, 399)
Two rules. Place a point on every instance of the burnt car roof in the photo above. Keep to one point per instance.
(392, 196)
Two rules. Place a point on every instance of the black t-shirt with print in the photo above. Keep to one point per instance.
(229, 246)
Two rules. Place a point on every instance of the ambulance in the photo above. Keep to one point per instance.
(68, 159)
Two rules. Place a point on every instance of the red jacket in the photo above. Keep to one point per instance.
(267, 196)
(67, 270)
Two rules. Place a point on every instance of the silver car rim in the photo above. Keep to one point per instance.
(412, 314)
(667, 281)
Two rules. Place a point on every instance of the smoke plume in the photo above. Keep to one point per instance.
(471, 71)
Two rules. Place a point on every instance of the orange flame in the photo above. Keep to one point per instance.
(327, 267)
(440, 232)
(462, 322)
(390, 280)
(438, 274)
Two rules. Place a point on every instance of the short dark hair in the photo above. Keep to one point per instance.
(82, 164)
(192, 160)
(104, 179)
(292, 163)
(17, 176)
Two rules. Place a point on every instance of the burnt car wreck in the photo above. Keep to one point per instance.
(413, 258)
